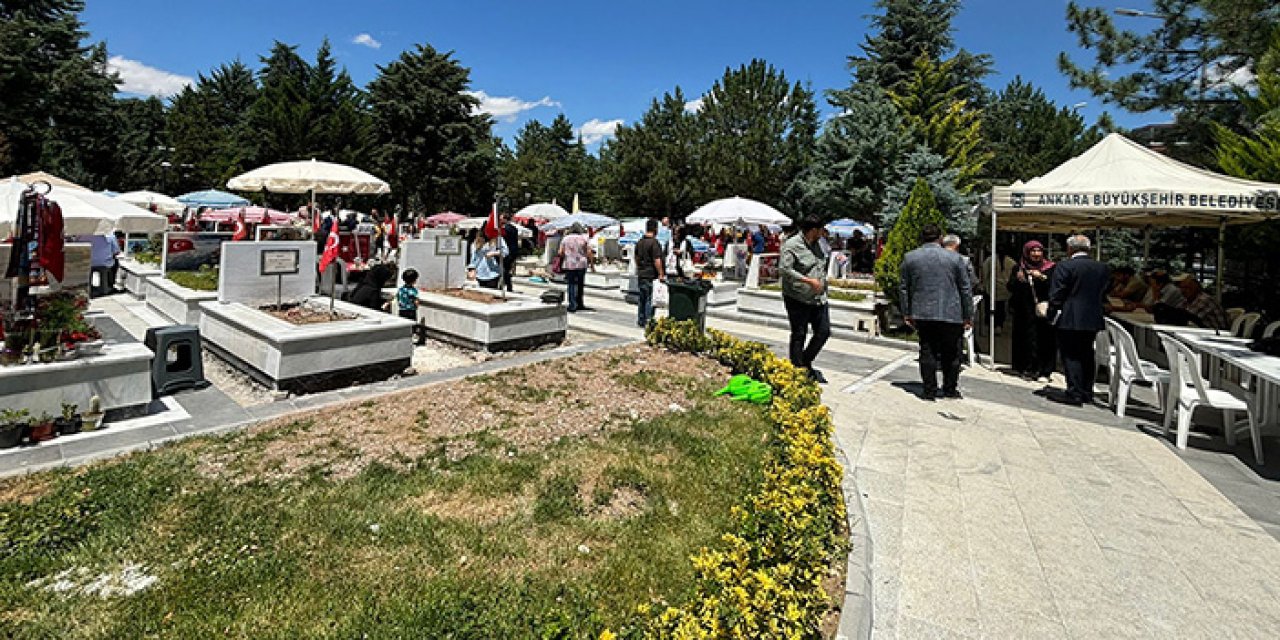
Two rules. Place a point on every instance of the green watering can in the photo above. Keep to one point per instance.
(742, 387)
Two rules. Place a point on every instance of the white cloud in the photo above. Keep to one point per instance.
(694, 106)
(507, 107)
(139, 79)
(595, 130)
(366, 40)
(1218, 78)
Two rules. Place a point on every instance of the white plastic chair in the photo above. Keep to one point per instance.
(1243, 325)
(1104, 357)
(1189, 391)
(1128, 369)
(1233, 313)
(969, 333)
(1271, 329)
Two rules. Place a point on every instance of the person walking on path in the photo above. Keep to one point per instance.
(937, 300)
(1035, 347)
(575, 256)
(803, 267)
(510, 235)
(649, 267)
(1077, 295)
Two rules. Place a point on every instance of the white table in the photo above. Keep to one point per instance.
(1217, 350)
(1146, 334)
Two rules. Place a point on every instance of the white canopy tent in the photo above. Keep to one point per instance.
(83, 212)
(739, 212)
(315, 176)
(1121, 184)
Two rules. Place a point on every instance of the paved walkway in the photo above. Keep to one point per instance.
(994, 520)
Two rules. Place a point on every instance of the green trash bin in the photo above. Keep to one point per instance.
(689, 300)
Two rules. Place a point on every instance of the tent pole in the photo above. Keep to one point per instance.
(1222, 241)
(991, 294)
(1097, 236)
(1146, 245)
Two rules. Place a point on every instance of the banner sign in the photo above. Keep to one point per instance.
(1146, 200)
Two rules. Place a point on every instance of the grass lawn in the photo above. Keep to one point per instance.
(206, 279)
(545, 501)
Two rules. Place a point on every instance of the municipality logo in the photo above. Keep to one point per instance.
(1017, 199)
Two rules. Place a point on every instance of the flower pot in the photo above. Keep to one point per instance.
(90, 421)
(11, 434)
(67, 427)
(41, 431)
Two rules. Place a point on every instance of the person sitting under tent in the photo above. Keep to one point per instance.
(1206, 311)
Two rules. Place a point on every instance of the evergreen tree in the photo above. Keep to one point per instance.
(142, 144)
(55, 93)
(283, 116)
(650, 167)
(931, 168)
(430, 143)
(904, 31)
(758, 135)
(905, 236)
(942, 120)
(209, 127)
(1255, 153)
(340, 113)
(1029, 135)
(848, 176)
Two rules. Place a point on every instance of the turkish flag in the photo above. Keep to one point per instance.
(492, 228)
(330, 248)
(50, 250)
(242, 230)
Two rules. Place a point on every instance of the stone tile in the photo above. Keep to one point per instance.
(19, 459)
(138, 437)
(921, 629)
(937, 576)
(884, 450)
(885, 523)
(879, 486)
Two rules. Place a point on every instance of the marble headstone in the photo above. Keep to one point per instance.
(439, 258)
(246, 272)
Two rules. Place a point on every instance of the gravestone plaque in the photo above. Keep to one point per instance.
(439, 258)
(188, 250)
(253, 272)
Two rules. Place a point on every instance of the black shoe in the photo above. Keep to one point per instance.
(817, 376)
(929, 395)
(952, 395)
(1063, 398)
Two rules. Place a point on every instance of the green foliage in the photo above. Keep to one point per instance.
(550, 163)
(907, 30)
(1255, 153)
(650, 167)
(431, 147)
(922, 164)
(205, 279)
(905, 236)
(142, 140)
(1028, 135)
(934, 109)
(209, 126)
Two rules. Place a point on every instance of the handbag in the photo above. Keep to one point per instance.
(556, 267)
(1042, 308)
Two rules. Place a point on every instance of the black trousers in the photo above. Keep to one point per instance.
(939, 347)
(1078, 362)
(509, 271)
(802, 316)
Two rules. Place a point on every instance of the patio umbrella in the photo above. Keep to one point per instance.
(144, 199)
(845, 228)
(588, 220)
(212, 198)
(309, 176)
(445, 219)
(83, 212)
(542, 211)
(253, 215)
(737, 211)
(40, 176)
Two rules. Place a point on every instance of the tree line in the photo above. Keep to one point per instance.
(915, 107)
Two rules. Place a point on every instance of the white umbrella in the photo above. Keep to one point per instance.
(304, 176)
(476, 223)
(542, 211)
(588, 220)
(737, 211)
(144, 199)
(83, 212)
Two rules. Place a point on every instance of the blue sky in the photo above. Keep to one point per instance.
(597, 62)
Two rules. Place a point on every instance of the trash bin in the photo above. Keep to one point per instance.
(689, 300)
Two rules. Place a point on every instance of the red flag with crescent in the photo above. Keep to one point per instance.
(330, 248)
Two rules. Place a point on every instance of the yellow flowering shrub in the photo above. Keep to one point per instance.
(765, 579)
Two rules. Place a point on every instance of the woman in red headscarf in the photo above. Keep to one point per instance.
(1034, 343)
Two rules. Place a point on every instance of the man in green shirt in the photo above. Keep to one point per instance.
(803, 266)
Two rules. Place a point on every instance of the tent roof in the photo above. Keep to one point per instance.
(1119, 183)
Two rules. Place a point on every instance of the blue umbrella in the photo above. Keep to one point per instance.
(844, 228)
(212, 198)
(588, 220)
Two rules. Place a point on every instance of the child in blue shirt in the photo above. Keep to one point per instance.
(407, 303)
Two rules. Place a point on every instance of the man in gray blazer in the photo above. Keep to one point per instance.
(936, 298)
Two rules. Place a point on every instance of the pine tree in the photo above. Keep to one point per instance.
(905, 30)
(142, 142)
(650, 167)
(340, 122)
(208, 125)
(1029, 135)
(905, 236)
(283, 116)
(923, 164)
(1255, 154)
(942, 120)
(431, 144)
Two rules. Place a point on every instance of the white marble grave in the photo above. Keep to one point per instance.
(242, 265)
(434, 257)
(521, 322)
(135, 276)
(174, 301)
(120, 376)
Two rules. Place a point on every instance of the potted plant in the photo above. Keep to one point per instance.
(41, 429)
(13, 424)
(92, 419)
(70, 422)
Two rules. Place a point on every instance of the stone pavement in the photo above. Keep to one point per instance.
(993, 520)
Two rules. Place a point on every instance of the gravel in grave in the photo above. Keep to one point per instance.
(520, 410)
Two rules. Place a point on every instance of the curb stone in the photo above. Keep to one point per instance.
(858, 606)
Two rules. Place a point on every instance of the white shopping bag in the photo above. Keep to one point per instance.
(661, 295)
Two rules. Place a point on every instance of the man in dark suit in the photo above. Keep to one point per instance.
(1077, 296)
(936, 298)
(510, 235)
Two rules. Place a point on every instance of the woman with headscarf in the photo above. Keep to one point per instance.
(575, 256)
(1034, 344)
(487, 255)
